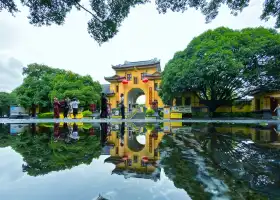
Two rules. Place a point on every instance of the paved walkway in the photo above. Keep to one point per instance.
(237, 121)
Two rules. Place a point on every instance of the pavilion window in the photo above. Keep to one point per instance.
(187, 101)
(143, 75)
(128, 77)
(156, 86)
(117, 88)
(129, 162)
(135, 80)
(135, 159)
(178, 101)
(258, 104)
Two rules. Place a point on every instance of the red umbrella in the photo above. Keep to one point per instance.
(145, 80)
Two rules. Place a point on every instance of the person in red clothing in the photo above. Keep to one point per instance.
(56, 106)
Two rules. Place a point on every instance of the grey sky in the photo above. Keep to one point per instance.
(145, 34)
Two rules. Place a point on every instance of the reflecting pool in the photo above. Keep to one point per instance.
(130, 161)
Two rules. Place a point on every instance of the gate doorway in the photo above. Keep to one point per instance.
(135, 97)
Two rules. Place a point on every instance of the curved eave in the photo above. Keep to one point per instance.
(110, 94)
(114, 79)
(131, 67)
(113, 159)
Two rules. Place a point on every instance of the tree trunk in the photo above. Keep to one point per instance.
(33, 110)
(214, 104)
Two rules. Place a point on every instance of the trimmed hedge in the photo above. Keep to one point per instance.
(161, 114)
(46, 115)
(87, 113)
(150, 112)
(150, 126)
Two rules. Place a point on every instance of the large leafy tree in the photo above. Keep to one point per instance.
(42, 155)
(196, 161)
(36, 86)
(222, 65)
(42, 83)
(6, 100)
(73, 85)
(107, 16)
(259, 51)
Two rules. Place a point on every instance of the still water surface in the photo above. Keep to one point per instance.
(139, 161)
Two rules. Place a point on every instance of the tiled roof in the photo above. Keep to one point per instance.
(128, 64)
(263, 90)
(156, 74)
(115, 77)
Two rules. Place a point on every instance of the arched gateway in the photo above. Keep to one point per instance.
(134, 79)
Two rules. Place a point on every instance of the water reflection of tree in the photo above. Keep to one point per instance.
(239, 165)
(42, 155)
(244, 161)
(181, 171)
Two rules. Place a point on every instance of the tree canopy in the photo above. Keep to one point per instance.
(189, 160)
(43, 155)
(222, 65)
(42, 83)
(107, 16)
(72, 85)
(6, 100)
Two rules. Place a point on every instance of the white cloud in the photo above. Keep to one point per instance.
(145, 34)
(11, 73)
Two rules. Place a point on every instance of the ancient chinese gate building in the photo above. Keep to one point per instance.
(134, 79)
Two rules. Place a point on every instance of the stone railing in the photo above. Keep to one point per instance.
(116, 112)
(181, 109)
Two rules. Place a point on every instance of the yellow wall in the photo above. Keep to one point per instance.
(265, 135)
(126, 151)
(125, 88)
(241, 108)
(264, 102)
(194, 99)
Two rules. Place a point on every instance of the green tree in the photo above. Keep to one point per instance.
(43, 155)
(222, 65)
(107, 16)
(36, 86)
(42, 83)
(204, 158)
(259, 51)
(6, 100)
(73, 85)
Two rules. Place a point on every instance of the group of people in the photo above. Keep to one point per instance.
(68, 107)
(68, 134)
(106, 109)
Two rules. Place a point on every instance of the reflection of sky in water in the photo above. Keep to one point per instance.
(278, 127)
(82, 182)
(141, 139)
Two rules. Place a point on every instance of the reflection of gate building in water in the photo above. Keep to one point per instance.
(135, 155)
